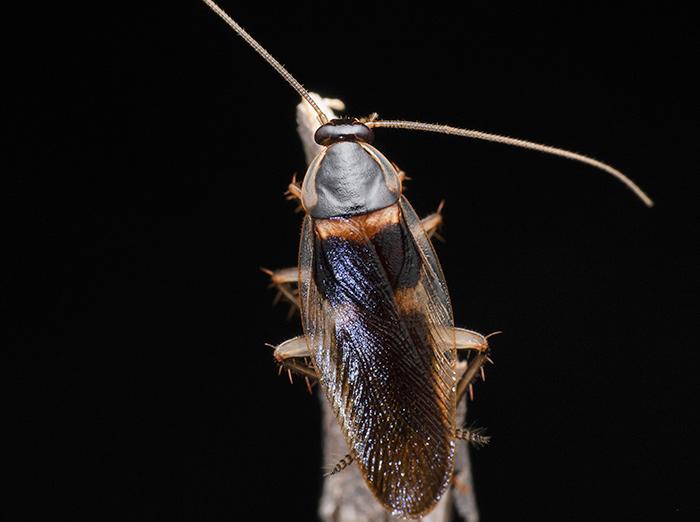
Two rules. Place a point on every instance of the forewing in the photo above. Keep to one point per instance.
(378, 320)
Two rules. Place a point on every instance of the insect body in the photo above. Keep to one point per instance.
(378, 321)
(378, 326)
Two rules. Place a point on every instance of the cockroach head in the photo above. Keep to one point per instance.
(349, 176)
(343, 129)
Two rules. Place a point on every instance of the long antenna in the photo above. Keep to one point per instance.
(479, 135)
(269, 58)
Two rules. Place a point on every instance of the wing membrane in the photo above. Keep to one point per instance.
(378, 320)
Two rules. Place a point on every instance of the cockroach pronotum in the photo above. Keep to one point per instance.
(378, 328)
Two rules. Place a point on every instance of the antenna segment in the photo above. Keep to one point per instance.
(515, 142)
(269, 59)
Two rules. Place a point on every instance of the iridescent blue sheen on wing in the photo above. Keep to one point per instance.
(375, 310)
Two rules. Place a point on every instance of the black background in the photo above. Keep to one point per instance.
(150, 149)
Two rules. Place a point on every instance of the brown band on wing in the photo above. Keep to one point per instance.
(360, 227)
(406, 300)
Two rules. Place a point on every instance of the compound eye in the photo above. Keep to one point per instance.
(364, 133)
(343, 130)
(324, 134)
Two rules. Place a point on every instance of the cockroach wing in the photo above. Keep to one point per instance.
(377, 317)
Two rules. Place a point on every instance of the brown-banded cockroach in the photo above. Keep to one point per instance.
(377, 319)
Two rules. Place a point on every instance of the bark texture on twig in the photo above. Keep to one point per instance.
(345, 497)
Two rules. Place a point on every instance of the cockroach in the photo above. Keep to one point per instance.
(379, 335)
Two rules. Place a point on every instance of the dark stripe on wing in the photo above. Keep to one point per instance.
(384, 370)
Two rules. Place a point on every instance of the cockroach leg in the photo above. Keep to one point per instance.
(340, 466)
(294, 193)
(293, 355)
(292, 349)
(286, 280)
(301, 368)
(432, 222)
(293, 189)
(403, 177)
(468, 340)
(470, 372)
(473, 436)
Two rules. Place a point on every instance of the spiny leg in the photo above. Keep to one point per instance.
(468, 340)
(431, 223)
(294, 356)
(286, 281)
(474, 436)
(294, 192)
